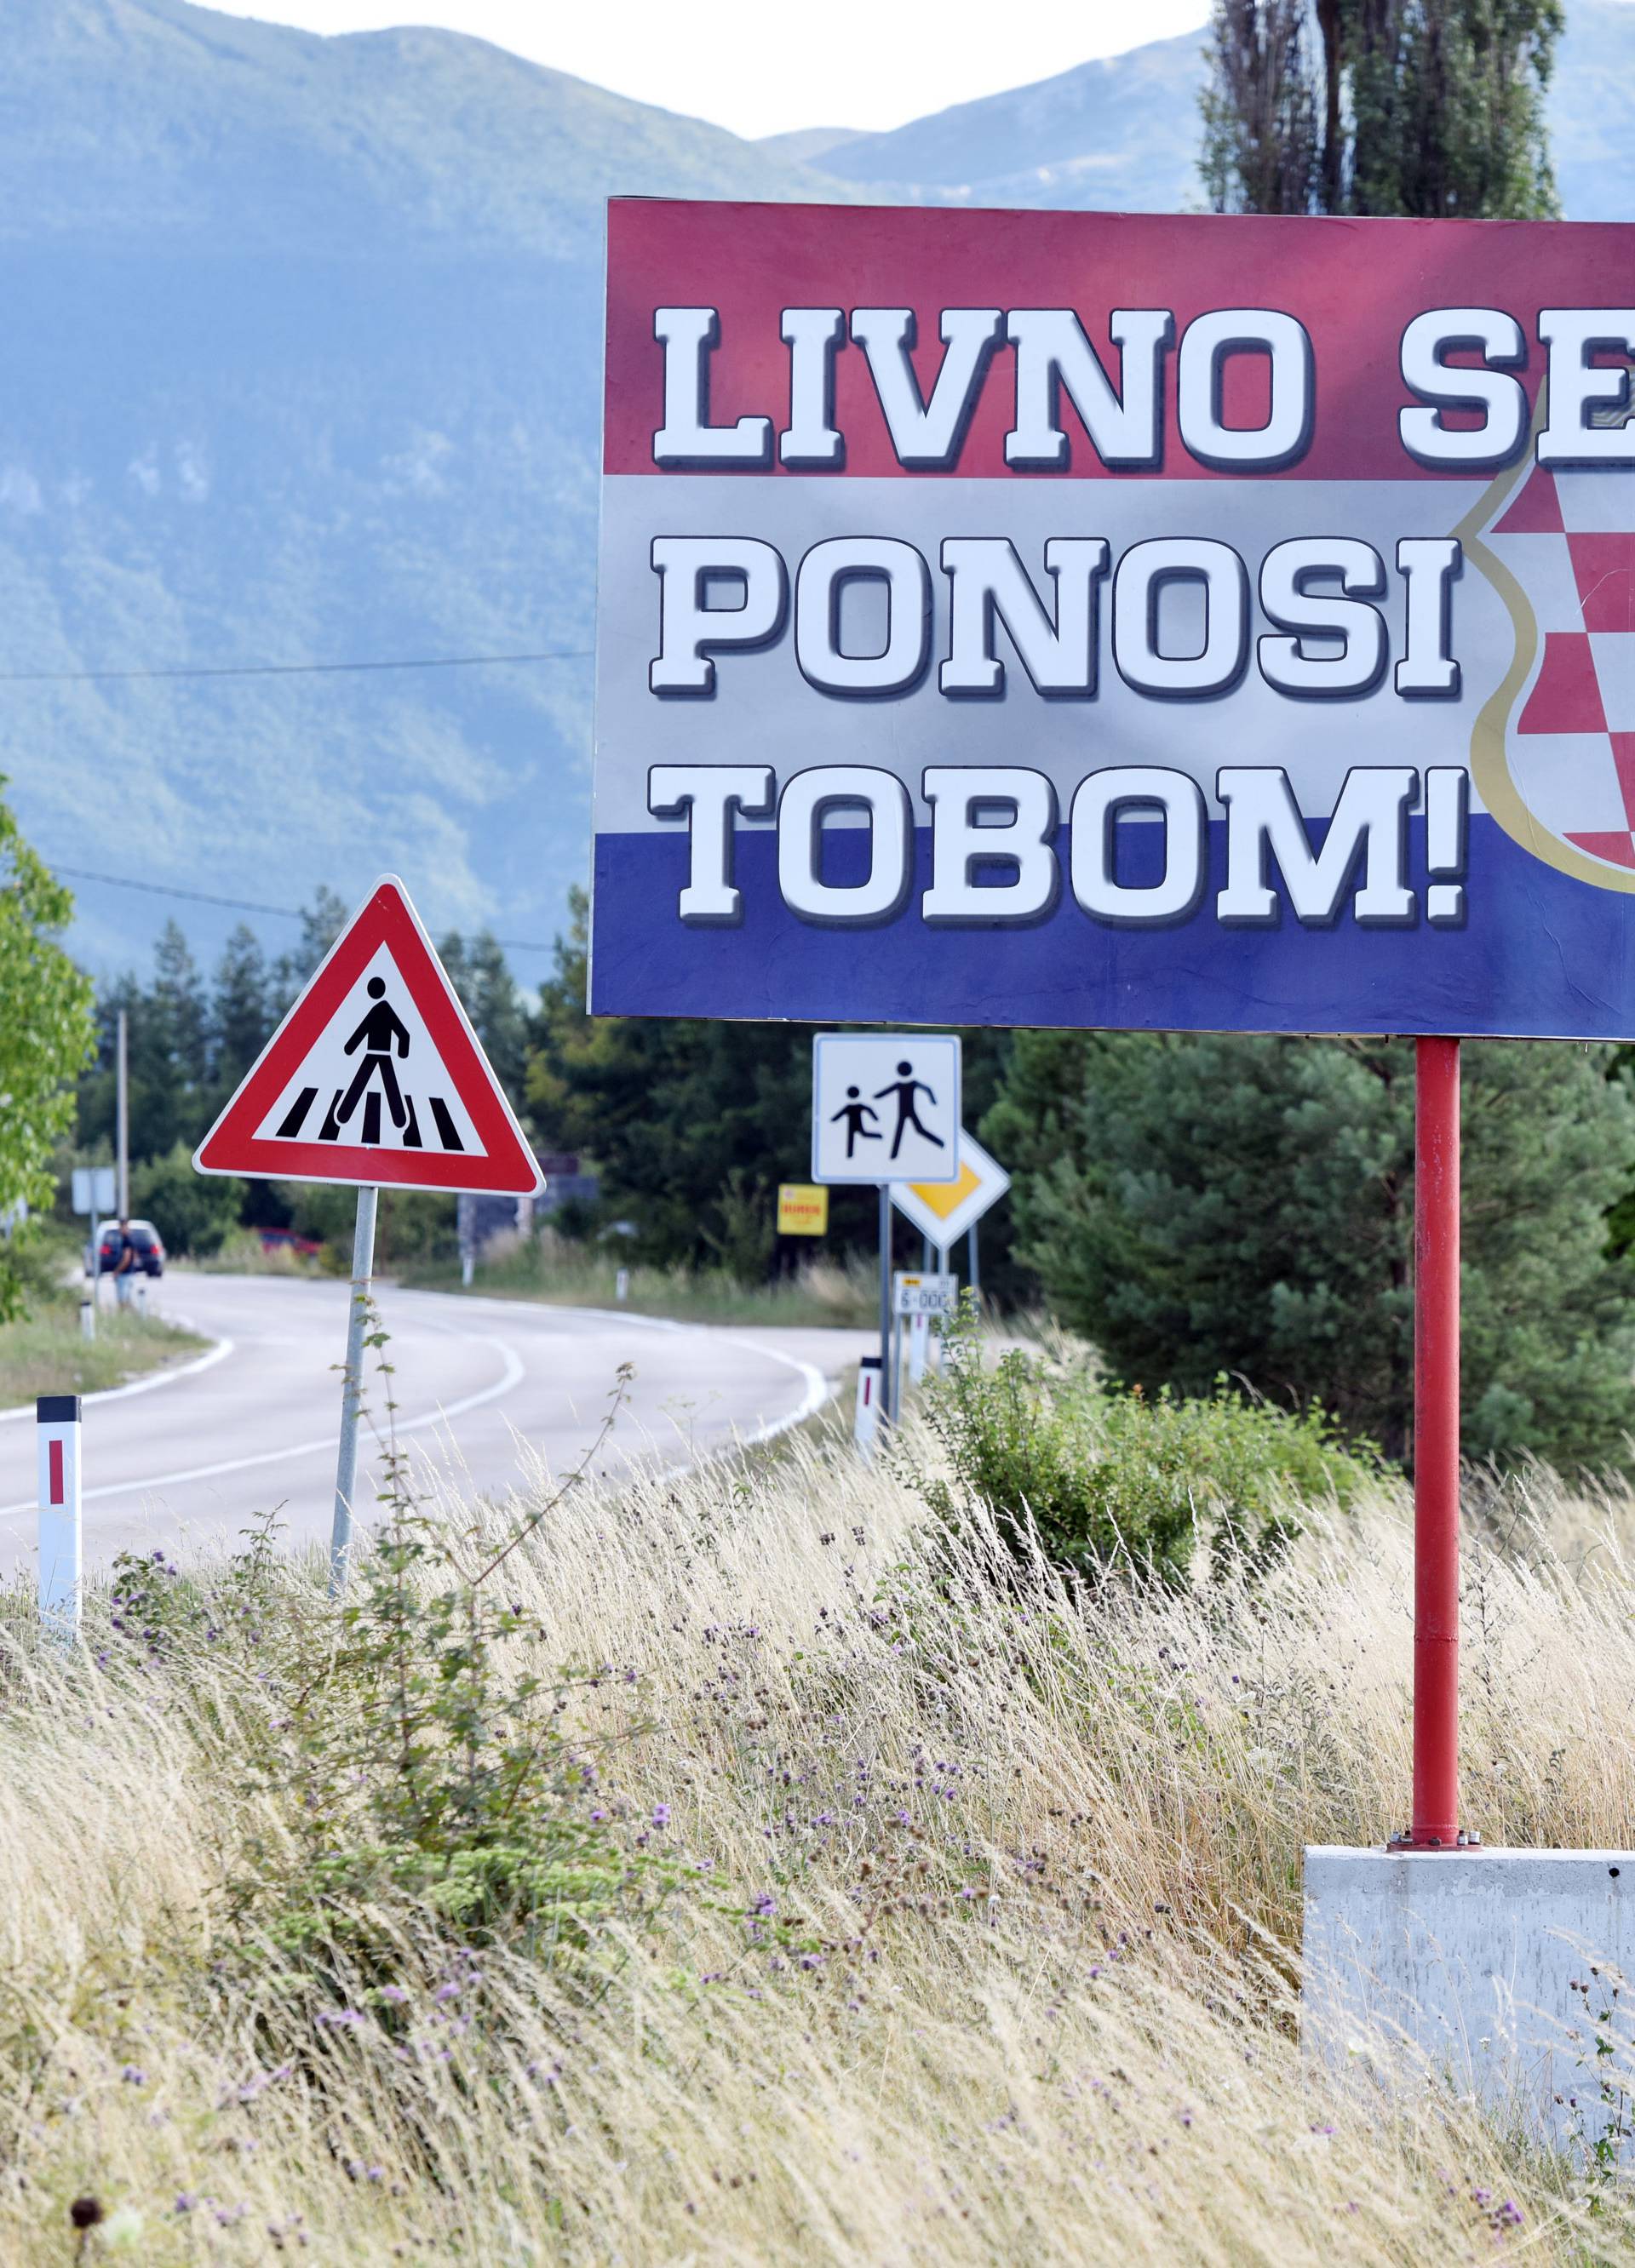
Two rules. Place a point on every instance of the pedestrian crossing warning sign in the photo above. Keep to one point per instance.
(375, 1076)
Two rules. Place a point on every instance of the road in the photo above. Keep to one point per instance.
(484, 1389)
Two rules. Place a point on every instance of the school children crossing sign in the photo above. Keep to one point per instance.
(375, 1076)
(885, 1107)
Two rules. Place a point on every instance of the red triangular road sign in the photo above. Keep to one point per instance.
(375, 1076)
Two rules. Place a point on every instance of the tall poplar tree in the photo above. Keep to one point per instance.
(1429, 108)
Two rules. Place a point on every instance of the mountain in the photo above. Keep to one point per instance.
(300, 363)
(1119, 133)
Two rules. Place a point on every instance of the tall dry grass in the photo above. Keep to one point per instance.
(983, 1945)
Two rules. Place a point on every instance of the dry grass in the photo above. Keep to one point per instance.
(44, 1353)
(1021, 1992)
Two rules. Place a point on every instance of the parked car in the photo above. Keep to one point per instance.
(145, 1239)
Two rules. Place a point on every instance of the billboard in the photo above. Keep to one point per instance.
(1129, 621)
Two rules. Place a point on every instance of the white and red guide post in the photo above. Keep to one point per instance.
(57, 1422)
(375, 1078)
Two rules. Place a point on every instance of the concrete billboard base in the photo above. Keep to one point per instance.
(1499, 1971)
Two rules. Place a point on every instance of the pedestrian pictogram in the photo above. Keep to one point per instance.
(904, 1090)
(375, 1076)
(885, 1106)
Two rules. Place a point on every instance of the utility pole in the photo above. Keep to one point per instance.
(123, 1119)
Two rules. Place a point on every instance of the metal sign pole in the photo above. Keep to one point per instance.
(352, 1387)
(1436, 1448)
(886, 1380)
(121, 1149)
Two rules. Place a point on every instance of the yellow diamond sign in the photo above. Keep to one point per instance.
(943, 1210)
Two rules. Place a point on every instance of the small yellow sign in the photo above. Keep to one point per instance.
(802, 1209)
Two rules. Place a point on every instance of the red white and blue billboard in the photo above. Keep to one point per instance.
(1140, 621)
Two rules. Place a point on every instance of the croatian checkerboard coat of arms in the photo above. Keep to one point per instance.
(1552, 753)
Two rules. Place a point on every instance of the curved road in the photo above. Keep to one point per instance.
(485, 1389)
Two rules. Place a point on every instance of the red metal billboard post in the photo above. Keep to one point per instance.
(1436, 1453)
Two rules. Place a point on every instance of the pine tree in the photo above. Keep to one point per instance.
(241, 1018)
(1196, 1205)
(1431, 108)
(487, 991)
(176, 1006)
(321, 922)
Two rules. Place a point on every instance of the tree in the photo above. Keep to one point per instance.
(1195, 1205)
(1432, 108)
(193, 1213)
(478, 972)
(241, 1016)
(322, 923)
(46, 1033)
(181, 1035)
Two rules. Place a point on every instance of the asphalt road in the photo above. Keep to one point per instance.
(484, 1389)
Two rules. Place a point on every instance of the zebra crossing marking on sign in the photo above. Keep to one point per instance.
(375, 1077)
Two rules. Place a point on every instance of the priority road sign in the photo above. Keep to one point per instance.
(885, 1106)
(375, 1077)
(943, 1210)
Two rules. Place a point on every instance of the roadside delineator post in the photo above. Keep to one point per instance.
(1435, 1824)
(352, 1388)
(866, 1418)
(57, 1427)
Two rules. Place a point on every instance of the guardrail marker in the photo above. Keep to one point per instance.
(866, 1418)
(57, 1417)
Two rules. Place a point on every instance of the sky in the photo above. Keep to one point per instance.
(760, 68)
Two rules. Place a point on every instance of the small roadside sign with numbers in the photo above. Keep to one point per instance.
(885, 1106)
(927, 1295)
(943, 1210)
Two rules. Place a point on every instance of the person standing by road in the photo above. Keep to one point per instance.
(125, 1266)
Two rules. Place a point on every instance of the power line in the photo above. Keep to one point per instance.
(241, 905)
(288, 669)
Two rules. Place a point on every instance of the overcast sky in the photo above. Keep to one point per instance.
(762, 66)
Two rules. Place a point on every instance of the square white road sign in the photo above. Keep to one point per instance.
(925, 1295)
(885, 1106)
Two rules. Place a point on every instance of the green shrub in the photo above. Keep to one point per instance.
(419, 1746)
(192, 1211)
(1116, 1481)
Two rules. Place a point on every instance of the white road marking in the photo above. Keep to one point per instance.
(512, 1375)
